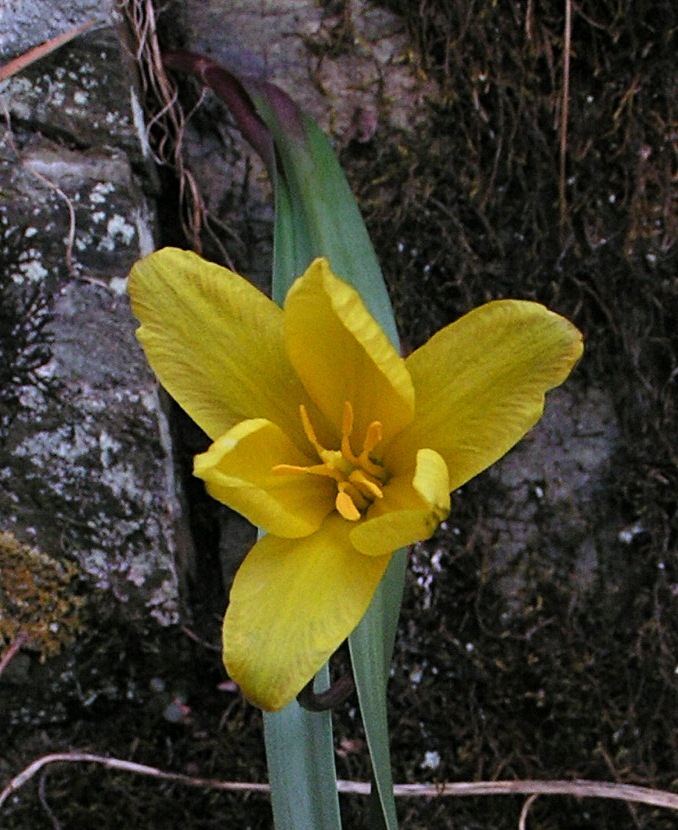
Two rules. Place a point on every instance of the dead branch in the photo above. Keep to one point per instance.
(37, 52)
(576, 788)
(20, 640)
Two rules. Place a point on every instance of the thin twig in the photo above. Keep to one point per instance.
(166, 118)
(196, 639)
(522, 820)
(564, 113)
(125, 766)
(70, 239)
(20, 640)
(56, 824)
(614, 772)
(37, 52)
(577, 788)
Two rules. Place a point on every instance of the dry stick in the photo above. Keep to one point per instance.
(169, 120)
(577, 788)
(529, 19)
(70, 238)
(44, 803)
(614, 772)
(564, 113)
(37, 52)
(11, 68)
(522, 821)
(20, 640)
(50, 184)
(126, 766)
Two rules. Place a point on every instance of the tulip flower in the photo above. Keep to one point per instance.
(328, 440)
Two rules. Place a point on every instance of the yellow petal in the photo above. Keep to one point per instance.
(480, 384)
(292, 603)
(215, 342)
(341, 354)
(237, 469)
(411, 509)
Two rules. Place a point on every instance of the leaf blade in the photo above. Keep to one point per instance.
(302, 774)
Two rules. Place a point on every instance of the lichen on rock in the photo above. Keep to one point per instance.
(38, 598)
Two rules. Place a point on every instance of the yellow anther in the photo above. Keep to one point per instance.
(359, 479)
(345, 506)
(366, 486)
(373, 437)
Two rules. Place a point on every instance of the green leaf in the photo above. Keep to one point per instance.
(301, 771)
(316, 212)
(371, 646)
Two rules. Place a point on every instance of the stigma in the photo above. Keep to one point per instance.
(359, 478)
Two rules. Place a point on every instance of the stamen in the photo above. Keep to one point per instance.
(362, 482)
(359, 478)
(373, 437)
(313, 469)
(359, 499)
(309, 431)
(345, 506)
(289, 469)
(346, 430)
(347, 419)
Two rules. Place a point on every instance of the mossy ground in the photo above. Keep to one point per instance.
(569, 685)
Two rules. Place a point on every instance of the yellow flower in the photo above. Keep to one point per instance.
(324, 437)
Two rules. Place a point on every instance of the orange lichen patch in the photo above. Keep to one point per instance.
(37, 597)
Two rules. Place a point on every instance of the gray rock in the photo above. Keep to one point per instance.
(28, 23)
(550, 506)
(86, 469)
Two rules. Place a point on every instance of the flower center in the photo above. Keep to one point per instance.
(359, 478)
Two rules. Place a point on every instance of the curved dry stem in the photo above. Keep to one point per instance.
(48, 183)
(124, 766)
(15, 646)
(20, 63)
(564, 114)
(522, 820)
(577, 788)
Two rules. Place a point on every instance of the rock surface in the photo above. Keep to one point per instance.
(86, 469)
(549, 504)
